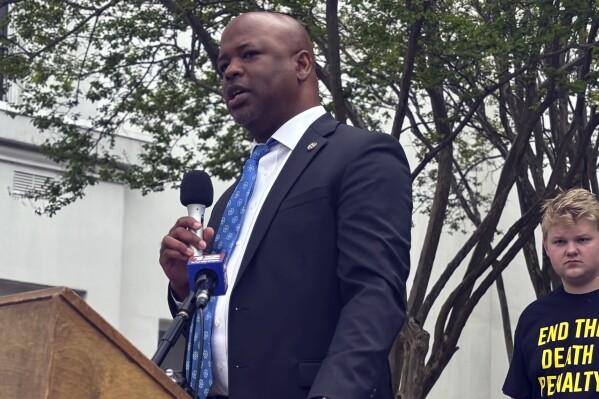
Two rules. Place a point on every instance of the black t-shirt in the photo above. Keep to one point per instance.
(554, 348)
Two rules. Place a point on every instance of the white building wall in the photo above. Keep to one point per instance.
(79, 248)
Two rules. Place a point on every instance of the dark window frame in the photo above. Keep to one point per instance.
(11, 287)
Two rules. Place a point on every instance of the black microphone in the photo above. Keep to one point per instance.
(206, 273)
(196, 194)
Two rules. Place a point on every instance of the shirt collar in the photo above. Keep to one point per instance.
(292, 131)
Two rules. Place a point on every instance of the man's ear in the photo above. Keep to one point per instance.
(304, 65)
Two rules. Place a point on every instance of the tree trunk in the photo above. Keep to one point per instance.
(413, 341)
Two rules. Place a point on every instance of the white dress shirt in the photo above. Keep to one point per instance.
(269, 167)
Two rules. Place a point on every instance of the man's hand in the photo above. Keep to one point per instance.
(175, 250)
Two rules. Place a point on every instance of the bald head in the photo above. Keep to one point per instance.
(267, 63)
(289, 28)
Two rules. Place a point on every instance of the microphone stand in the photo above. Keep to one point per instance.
(197, 298)
(184, 313)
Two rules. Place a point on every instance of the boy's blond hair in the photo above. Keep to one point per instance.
(568, 207)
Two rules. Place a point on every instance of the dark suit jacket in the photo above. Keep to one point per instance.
(318, 300)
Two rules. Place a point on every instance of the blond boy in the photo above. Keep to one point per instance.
(557, 336)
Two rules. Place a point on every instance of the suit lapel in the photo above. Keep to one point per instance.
(312, 141)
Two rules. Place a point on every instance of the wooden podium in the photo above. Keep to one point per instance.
(55, 346)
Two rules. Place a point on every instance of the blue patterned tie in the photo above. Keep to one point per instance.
(223, 243)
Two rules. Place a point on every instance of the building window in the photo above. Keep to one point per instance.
(28, 185)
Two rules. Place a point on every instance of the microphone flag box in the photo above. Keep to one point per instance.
(213, 263)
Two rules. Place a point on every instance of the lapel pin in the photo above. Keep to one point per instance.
(312, 146)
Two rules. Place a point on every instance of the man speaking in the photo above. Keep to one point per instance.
(316, 235)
